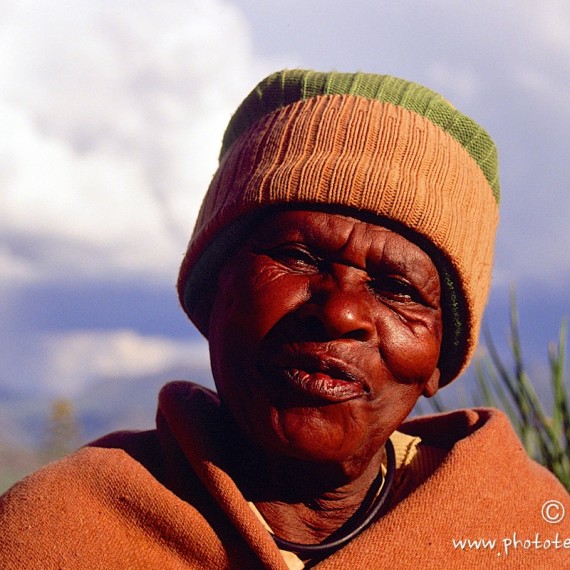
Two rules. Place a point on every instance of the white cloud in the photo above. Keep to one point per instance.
(74, 360)
(110, 120)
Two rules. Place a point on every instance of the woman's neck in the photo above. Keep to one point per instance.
(305, 502)
(301, 501)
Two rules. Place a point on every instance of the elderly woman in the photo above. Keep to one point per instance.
(339, 268)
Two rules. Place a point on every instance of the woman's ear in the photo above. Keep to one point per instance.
(432, 385)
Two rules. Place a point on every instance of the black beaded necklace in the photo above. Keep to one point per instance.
(362, 518)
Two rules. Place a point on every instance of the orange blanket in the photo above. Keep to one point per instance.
(161, 499)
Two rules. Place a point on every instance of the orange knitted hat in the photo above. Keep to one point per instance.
(376, 146)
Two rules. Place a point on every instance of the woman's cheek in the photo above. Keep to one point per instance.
(411, 353)
(275, 294)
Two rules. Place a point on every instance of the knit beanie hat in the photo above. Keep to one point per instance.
(373, 146)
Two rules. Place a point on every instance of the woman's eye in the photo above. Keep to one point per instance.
(294, 256)
(395, 289)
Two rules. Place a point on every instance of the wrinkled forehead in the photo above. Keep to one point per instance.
(342, 237)
(334, 220)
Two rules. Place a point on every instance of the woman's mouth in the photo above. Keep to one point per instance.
(313, 374)
(323, 385)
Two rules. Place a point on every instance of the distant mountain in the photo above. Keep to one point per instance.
(106, 404)
(127, 403)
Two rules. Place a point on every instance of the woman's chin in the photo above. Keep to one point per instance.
(305, 435)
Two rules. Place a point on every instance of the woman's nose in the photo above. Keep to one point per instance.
(340, 306)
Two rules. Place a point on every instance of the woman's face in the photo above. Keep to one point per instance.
(324, 332)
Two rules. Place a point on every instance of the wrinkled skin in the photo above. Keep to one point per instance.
(324, 332)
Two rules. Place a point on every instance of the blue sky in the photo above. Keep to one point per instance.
(111, 115)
